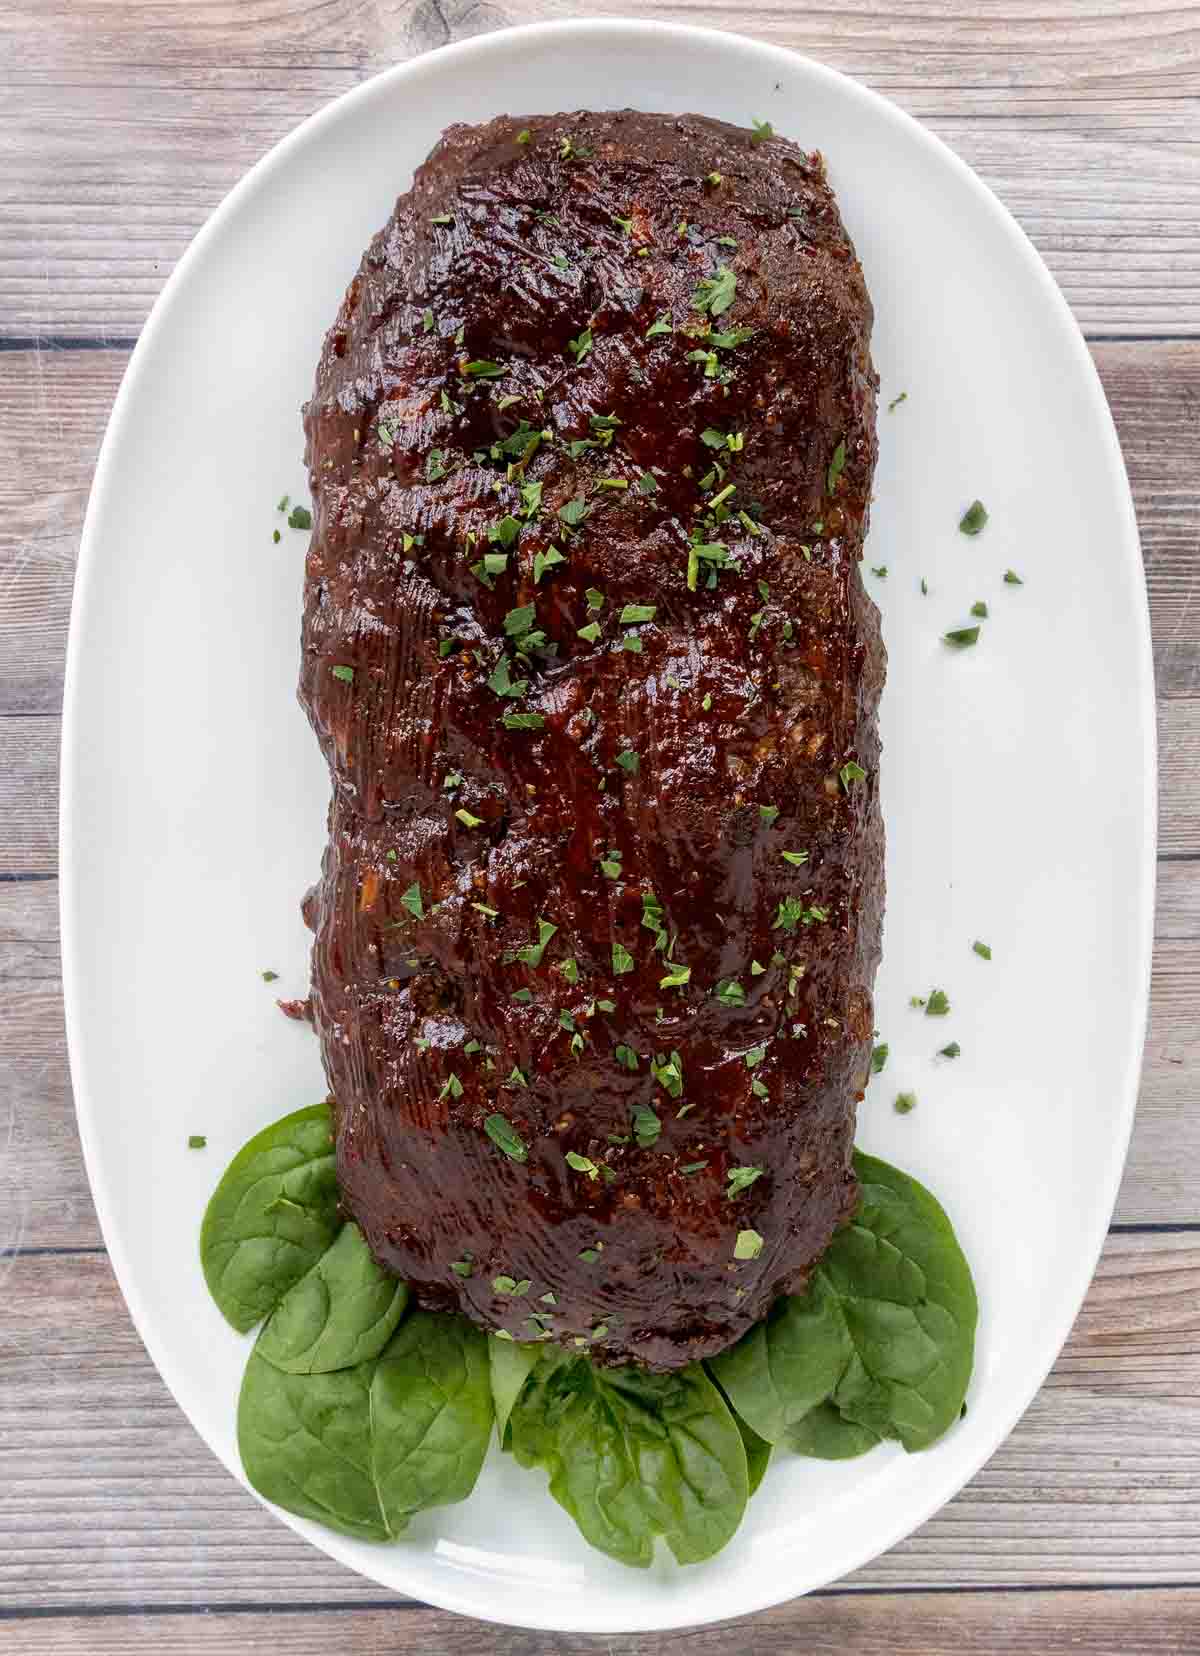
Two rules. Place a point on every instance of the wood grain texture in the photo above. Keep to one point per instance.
(125, 125)
(122, 124)
(109, 1497)
(1152, 1622)
(56, 403)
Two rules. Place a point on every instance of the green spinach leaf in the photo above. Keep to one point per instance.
(884, 1333)
(632, 1455)
(758, 1453)
(511, 1363)
(824, 1434)
(305, 1443)
(272, 1216)
(362, 1449)
(431, 1411)
(343, 1311)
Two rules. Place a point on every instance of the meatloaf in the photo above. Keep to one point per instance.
(587, 650)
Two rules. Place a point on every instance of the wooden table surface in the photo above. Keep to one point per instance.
(124, 123)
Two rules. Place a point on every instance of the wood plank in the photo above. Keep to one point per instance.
(54, 405)
(1081, 120)
(109, 1498)
(29, 796)
(1149, 1621)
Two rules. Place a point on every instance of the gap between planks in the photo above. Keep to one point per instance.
(1151, 1621)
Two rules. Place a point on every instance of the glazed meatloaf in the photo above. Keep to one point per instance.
(587, 650)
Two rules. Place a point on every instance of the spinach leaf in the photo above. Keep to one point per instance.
(362, 1449)
(758, 1453)
(305, 1443)
(272, 1216)
(511, 1363)
(632, 1455)
(826, 1436)
(431, 1410)
(342, 1312)
(885, 1332)
(788, 1363)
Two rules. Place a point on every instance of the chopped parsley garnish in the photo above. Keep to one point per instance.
(505, 1137)
(632, 643)
(741, 1178)
(591, 632)
(629, 761)
(693, 1167)
(980, 609)
(467, 820)
(346, 674)
(668, 1072)
(269, 976)
(715, 294)
(749, 1245)
(881, 571)
(762, 131)
(428, 322)
(453, 1086)
(904, 1103)
(622, 960)
(522, 721)
(589, 1255)
(675, 978)
(531, 953)
(501, 681)
(524, 136)
(974, 518)
(836, 466)
(983, 950)
(951, 1051)
(627, 1057)
(1011, 578)
(755, 1056)
(442, 218)
(542, 561)
(711, 552)
(519, 621)
(300, 518)
(461, 1267)
(482, 369)
(731, 993)
(582, 1164)
(646, 1126)
(580, 347)
(595, 598)
(938, 1004)
(879, 1057)
(612, 483)
(851, 772)
(509, 1285)
(962, 637)
(796, 858)
(659, 326)
(411, 900)
(569, 969)
(197, 1141)
(633, 613)
(767, 814)
(574, 512)
(791, 912)
(646, 484)
(896, 401)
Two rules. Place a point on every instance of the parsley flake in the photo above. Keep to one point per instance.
(714, 294)
(962, 638)
(505, 1137)
(749, 1245)
(411, 900)
(741, 1178)
(345, 674)
(879, 1057)
(973, 519)
(622, 960)
(582, 1164)
(905, 1102)
(938, 1004)
(983, 950)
